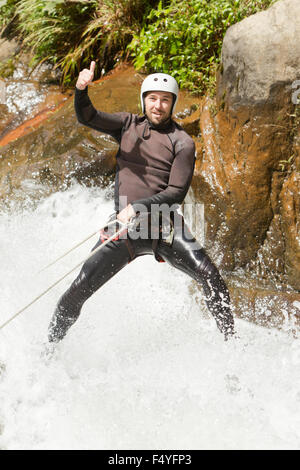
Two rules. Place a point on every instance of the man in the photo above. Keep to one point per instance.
(155, 165)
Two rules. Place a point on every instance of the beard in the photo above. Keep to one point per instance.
(165, 118)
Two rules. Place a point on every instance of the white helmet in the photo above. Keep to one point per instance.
(159, 82)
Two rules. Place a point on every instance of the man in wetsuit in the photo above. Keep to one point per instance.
(155, 164)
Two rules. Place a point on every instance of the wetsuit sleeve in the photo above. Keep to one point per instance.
(109, 123)
(179, 181)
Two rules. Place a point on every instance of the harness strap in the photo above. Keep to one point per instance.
(104, 235)
(154, 248)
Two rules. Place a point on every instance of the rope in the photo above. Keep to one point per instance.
(76, 246)
(65, 275)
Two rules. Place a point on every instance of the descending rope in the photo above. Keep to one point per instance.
(124, 226)
(76, 246)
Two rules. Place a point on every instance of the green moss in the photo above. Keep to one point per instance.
(7, 68)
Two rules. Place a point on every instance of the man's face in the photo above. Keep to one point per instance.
(158, 105)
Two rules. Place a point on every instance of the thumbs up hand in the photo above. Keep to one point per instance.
(86, 76)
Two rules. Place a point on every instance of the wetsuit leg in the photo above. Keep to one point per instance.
(94, 273)
(186, 254)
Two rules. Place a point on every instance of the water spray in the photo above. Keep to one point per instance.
(116, 234)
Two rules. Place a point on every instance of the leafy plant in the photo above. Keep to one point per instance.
(7, 14)
(7, 9)
(284, 164)
(182, 36)
(186, 37)
(71, 33)
(51, 27)
(107, 35)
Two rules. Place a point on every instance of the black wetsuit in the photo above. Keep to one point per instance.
(155, 166)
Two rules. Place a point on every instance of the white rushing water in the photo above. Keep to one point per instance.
(144, 367)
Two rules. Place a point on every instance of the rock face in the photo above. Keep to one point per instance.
(260, 54)
(24, 91)
(247, 172)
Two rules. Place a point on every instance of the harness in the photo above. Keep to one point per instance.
(164, 233)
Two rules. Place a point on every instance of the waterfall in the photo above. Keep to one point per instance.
(144, 367)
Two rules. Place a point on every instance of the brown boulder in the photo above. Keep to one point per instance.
(247, 171)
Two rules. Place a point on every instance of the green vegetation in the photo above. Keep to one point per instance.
(7, 11)
(53, 28)
(71, 33)
(187, 38)
(182, 37)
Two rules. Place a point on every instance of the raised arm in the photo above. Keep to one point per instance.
(87, 114)
(85, 77)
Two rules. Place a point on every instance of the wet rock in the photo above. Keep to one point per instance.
(290, 225)
(5, 117)
(265, 306)
(25, 90)
(258, 302)
(247, 172)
